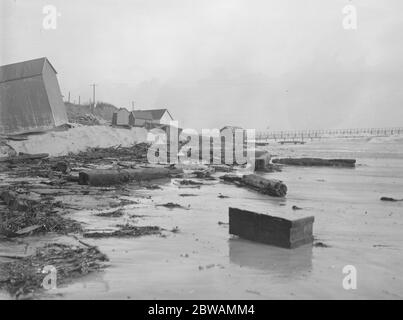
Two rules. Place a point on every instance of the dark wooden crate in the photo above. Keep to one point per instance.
(281, 232)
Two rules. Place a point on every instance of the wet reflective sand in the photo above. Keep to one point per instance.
(203, 261)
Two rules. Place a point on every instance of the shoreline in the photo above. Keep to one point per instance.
(204, 261)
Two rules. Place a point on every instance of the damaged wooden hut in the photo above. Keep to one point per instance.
(30, 97)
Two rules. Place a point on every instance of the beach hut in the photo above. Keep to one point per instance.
(30, 97)
(121, 117)
(141, 118)
(151, 116)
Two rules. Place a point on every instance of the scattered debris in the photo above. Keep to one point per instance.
(272, 187)
(6, 150)
(61, 166)
(27, 216)
(25, 275)
(86, 119)
(390, 199)
(112, 214)
(253, 292)
(271, 167)
(151, 186)
(125, 231)
(186, 182)
(122, 203)
(24, 157)
(171, 205)
(28, 230)
(137, 152)
(204, 174)
(320, 244)
(222, 167)
(17, 202)
(233, 178)
(175, 230)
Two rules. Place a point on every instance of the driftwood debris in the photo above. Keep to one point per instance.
(310, 162)
(15, 201)
(125, 231)
(222, 167)
(390, 199)
(272, 187)
(171, 205)
(26, 216)
(25, 275)
(267, 186)
(102, 177)
(24, 157)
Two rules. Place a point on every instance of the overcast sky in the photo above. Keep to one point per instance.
(285, 64)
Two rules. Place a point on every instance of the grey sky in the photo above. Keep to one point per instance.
(285, 64)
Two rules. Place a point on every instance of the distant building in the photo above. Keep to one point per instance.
(153, 116)
(121, 117)
(30, 97)
(140, 118)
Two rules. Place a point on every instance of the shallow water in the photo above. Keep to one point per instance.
(203, 261)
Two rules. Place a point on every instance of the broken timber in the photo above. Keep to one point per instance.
(15, 201)
(103, 177)
(316, 162)
(272, 187)
(271, 230)
(24, 156)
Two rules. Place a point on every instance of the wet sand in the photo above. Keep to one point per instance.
(203, 261)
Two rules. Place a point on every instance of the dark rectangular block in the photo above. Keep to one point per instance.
(271, 230)
(260, 164)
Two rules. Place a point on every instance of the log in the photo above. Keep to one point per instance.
(316, 162)
(111, 177)
(222, 167)
(24, 156)
(278, 231)
(272, 187)
(390, 199)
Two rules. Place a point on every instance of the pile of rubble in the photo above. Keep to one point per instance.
(87, 120)
(30, 189)
(35, 193)
(26, 275)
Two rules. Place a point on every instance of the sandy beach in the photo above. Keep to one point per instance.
(202, 261)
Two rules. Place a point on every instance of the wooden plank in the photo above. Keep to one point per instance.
(316, 162)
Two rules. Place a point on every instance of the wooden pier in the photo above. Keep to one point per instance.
(301, 136)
